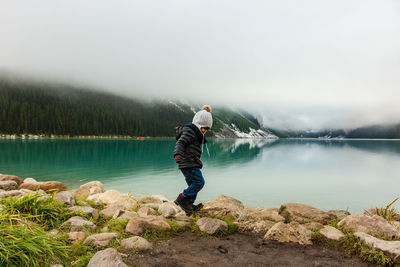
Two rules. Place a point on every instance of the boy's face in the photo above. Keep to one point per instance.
(204, 129)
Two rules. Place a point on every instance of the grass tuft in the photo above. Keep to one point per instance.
(47, 212)
(29, 246)
(352, 245)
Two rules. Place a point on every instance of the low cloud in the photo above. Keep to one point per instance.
(310, 64)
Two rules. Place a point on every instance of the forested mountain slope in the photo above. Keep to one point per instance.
(28, 107)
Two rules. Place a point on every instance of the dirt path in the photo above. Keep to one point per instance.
(240, 249)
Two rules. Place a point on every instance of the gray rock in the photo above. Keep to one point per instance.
(76, 236)
(313, 225)
(331, 233)
(8, 185)
(146, 211)
(183, 221)
(107, 258)
(110, 211)
(137, 225)
(292, 232)
(66, 197)
(391, 248)
(211, 226)
(100, 240)
(89, 189)
(255, 225)
(269, 214)
(340, 214)
(224, 206)
(135, 243)
(125, 214)
(30, 180)
(168, 209)
(78, 221)
(304, 214)
(153, 199)
(109, 197)
(373, 225)
(11, 193)
(86, 210)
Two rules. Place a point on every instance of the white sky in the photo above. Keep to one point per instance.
(312, 63)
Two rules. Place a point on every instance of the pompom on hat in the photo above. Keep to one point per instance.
(203, 118)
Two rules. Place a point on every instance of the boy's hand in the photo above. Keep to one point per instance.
(178, 158)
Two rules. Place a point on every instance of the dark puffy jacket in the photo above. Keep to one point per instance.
(188, 145)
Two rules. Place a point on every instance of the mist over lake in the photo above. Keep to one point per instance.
(334, 174)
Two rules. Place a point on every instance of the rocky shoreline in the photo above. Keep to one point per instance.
(115, 225)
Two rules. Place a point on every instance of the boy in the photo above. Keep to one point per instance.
(189, 146)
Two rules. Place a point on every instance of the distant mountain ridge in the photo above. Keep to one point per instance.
(368, 132)
(28, 107)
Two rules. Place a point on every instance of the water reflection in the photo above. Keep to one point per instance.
(328, 174)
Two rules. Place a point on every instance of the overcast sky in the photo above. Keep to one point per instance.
(312, 63)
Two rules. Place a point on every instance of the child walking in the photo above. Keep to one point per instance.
(189, 146)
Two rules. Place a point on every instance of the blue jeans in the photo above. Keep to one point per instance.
(195, 182)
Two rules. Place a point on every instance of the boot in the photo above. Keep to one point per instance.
(184, 204)
(197, 207)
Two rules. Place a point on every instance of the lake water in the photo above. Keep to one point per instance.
(353, 175)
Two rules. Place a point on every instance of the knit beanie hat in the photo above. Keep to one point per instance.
(203, 118)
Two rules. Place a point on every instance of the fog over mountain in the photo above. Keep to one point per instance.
(298, 64)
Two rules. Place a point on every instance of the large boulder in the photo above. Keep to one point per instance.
(12, 193)
(113, 197)
(138, 225)
(255, 225)
(224, 206)
(146, 211)
(270, 214)
(66, 197)
(77, 222)
(48, 187)
(86, 210)
(29, 180)
(88, 189)
(107, 258)
(313, 225)
(109, 197)
(153, 201)
(292, 232)
(110, 211)
(168, 209)
(340, 214)
(100, 240)
(391, 248)
(5, 177)
(211, 226)
(183, 221)
(373, 225)
(8, 185)
(331, 233)
(135, 243)
(125, 215)
(304, 214)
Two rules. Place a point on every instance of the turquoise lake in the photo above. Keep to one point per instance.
(336, 174)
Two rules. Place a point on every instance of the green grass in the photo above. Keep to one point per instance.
(352, 245)
(47, 212)
(29, 246)
(387, 213)
(334, 223)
